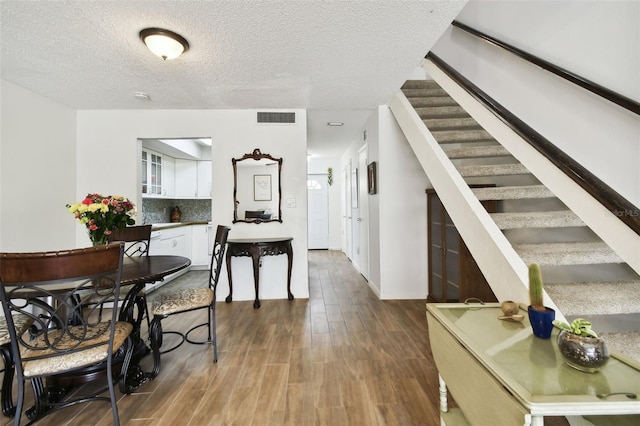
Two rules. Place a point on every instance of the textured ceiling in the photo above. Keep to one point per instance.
(337, 59)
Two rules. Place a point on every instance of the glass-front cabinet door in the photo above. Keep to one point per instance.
(151, 173)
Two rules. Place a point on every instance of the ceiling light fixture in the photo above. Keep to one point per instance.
(164, 43)
(335, 123)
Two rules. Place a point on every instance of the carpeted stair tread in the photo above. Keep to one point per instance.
(627, 343)
(454, 123)
(441, 112)
(420, 84)
(455, 136)
(545, 219)
(432, 101)
(584, 299)
(578, 253)
(477, 152)
(424, 93)
(492, 170)
(512, 192)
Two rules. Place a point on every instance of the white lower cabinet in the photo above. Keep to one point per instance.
(200, 246)
(173, 241)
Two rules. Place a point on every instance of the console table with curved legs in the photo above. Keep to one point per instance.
(256, 248)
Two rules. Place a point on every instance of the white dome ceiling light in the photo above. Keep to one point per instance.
(164, 43)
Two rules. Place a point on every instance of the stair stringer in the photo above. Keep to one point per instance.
(501, 265)
(624, 241)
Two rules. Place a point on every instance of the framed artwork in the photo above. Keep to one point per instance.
(354, 188)
(261, 187)
(372, 178)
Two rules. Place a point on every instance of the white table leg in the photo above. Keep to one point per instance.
(530, 420)
(443, 394)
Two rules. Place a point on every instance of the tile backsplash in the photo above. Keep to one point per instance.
(158, 210)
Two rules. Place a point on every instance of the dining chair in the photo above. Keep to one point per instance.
(137, 243)
(63, 340)
(22, 323)
(186, 300)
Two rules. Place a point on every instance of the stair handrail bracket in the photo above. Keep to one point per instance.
(602, 221)
(499, 262)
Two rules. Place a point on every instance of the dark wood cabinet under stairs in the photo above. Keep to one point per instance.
(454, 275)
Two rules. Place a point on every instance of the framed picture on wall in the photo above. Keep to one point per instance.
(261, 187)
(354, 188)
(371, 178)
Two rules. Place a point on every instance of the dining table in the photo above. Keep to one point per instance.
(136, 273)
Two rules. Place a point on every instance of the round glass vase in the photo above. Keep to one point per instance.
(587, 354)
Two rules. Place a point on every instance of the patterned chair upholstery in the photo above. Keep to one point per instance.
(62, 338)
(186, 300)
(22, 324)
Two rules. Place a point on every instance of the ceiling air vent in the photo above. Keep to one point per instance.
(276, 117)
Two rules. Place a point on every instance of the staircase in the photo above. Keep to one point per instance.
(583, 276)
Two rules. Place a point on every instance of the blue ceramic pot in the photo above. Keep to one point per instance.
(541, 322)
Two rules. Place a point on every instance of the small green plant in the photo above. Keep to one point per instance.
(535, 288)
(579, 326)
(330, 176)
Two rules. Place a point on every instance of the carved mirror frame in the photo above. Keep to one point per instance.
(256, 155)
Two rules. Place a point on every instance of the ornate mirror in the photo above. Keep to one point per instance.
(256, 188)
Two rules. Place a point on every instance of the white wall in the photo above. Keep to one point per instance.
(403, 214)
(37, 173)
(107, 162)
(397, 213)
(599, 40)
(319, 166)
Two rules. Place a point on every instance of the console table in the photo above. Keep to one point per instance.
(500, 374)
(256, 248)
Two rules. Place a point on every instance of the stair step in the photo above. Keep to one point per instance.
(441, 112)
(492, 170)
(455, 123)
(512, 192)
(477, 152)
(627, 343)
(585, 299)
(578, 253)
(420, 84)
(424, 92)
(453, 136)
(432, 101)
(547, 219)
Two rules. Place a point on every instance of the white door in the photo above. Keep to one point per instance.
(363, 209)
(318, 211)
(355, 217)
(346, 210)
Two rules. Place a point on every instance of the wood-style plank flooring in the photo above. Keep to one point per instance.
(341, 357)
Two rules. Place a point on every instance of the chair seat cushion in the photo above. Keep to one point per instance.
(22, 323)
(73, 360)
(182, 300)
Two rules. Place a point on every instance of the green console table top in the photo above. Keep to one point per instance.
(533, 369)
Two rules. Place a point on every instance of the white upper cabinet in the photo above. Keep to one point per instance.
(186, 178)
(176, 168)
(204, 179)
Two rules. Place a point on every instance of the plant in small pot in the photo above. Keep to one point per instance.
(580, 346)
(540, 316)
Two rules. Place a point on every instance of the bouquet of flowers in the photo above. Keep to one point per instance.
(101, 215)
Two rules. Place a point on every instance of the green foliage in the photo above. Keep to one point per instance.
(579, 326)
(535, 287)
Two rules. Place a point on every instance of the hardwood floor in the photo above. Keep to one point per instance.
(342, 357)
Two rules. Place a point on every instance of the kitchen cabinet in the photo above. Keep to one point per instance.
(454, 275)
(186, 178)
(173, 241)
(200, 248)
(192, 178)
(204, 179)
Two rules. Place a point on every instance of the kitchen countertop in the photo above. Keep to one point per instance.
(169, 225)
